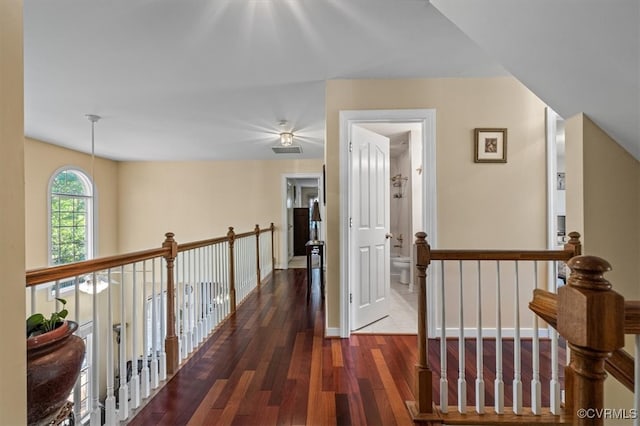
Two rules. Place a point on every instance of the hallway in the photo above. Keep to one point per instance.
(270, 364)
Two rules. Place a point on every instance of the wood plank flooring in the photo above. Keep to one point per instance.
(270, 364)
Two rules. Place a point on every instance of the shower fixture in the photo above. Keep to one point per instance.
(400, 182)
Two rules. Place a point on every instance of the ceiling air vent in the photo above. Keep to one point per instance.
(291, 149)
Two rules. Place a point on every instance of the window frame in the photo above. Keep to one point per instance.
(91, 221)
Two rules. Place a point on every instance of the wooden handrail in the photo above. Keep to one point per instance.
(545, 305)
(70, 270)
(541, 255)
(202, 243)
(632, 317)
(245, 234)
(620, 365)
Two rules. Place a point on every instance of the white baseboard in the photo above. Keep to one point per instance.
(332, 332)
(508, 333)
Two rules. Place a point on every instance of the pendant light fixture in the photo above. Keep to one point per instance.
(92, 284)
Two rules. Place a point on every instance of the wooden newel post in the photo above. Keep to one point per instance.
(591, 319)
(273, 253)
(171, 340)
(574, 245)
(232, 273)
(423, 384)
(257, 232)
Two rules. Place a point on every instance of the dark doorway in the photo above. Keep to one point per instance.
(300, 230)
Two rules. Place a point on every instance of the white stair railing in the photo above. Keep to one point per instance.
(510, 276)
(123, 301)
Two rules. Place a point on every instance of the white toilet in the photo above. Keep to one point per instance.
(402, 264)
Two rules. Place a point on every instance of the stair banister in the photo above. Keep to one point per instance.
(423, 375)
(171, 340)
(257, 231)
(591, 319)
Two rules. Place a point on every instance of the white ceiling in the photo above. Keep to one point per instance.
(575, 55)
(211, 79)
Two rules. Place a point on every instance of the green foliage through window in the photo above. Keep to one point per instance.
(70, 201)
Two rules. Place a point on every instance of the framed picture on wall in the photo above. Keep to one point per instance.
(490, 145)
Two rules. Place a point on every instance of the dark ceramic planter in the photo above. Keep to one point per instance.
(53, 364)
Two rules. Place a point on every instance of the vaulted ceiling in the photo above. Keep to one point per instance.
(205, 79)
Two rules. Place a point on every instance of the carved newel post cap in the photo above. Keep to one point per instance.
(587, 272)
(590, 313)
(421, 236)
(169, 235)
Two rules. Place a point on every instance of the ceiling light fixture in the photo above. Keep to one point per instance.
(286, 138)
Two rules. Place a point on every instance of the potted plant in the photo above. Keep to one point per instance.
(54, 359)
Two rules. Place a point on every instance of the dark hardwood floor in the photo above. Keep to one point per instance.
(270, 364)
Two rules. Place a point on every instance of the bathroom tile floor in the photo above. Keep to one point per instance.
(403, 318)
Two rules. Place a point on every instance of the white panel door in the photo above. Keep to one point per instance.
(370, 284)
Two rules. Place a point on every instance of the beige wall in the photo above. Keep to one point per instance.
(13, 394)
(198, 200)
(42, 160)
(603, 204)
(479, 205)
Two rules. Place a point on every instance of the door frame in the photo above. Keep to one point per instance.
(284, 242)
(348, 118)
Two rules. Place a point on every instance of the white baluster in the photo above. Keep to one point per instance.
(499, 383)
(517, 378)
(96, 415)
(197, 323)
(123, 391)
(181, 301)
(210, 295)
(199, 297)
(554, 384)
(462, 381)
(162, 358)
(186, 304)
(144, 377)
(111, 417)
(536, 385)
(77, 396)
(135, 378)
(57, 293)
(479, 351)
(32, 291)
(444, 383)
(155, 380)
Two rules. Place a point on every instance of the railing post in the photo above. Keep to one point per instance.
(273, 253)
(171, 340)
(574, 245)
(257, 231)
(423, 384)
(591, 319)
(232, 273)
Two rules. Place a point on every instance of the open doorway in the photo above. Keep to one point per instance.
(299, 191)
(413, 161)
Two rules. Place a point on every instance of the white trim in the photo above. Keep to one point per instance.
(427, 119)
(284, 242)
(491, 333)
(552, 168)
(332, 332)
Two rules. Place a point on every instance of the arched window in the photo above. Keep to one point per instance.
(71, 217)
